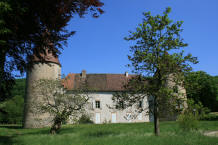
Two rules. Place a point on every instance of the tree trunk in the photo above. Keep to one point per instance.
(156, 119)
(55, 127)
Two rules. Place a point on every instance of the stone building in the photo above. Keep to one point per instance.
(50, 68)
(101, 106)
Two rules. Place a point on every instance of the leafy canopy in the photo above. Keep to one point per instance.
(201, 87)
(30, 26)
(159, 46)
(158, 56)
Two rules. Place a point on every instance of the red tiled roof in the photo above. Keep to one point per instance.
(97, 82)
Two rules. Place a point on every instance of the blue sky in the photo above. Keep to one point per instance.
(98, 45)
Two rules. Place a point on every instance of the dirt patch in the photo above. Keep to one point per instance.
(211, 133)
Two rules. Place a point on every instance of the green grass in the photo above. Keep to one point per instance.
(110, 134)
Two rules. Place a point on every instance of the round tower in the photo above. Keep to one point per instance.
(49, 68)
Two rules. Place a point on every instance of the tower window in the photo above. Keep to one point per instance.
(97, 104)
(140, 104)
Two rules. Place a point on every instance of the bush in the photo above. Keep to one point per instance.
(14, 110)
(85, 119)
(188, 122)
(210, 117)
(14, 105)
(189, 119)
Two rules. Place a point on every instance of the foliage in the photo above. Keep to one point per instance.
(31, 26)
(189, 119)
(85, 119)
(19, 87)
(201, 87)
(14, 110)
(158, 56)
(53, 99)
(216, 81)
(13, 106)
(210, 117)
(110, 134)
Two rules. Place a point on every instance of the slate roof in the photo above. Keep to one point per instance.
(97, 82)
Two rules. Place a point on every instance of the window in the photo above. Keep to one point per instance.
(140, 116)
(140, 104)
(120, 105)
(97, 104)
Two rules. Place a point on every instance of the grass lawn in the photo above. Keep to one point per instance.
(110, 134)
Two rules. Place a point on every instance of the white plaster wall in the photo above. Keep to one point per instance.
(105, 111)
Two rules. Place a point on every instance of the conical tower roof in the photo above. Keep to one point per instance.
(46, 56)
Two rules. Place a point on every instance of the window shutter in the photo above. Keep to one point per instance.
(93, 104)
(100, 104)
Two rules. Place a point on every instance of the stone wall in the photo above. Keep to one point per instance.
(39, 71)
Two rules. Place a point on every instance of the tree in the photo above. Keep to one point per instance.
(28, 27)
(201, 87)
(158, 57)
(55, 101)
(12, 108)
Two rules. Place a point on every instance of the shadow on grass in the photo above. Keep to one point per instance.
(46, 131)
(67, 130)
(100, 133)
(6, 140)
(35, 131)
(11, 126)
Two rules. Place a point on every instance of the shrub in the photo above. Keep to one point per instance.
(188, 120)
(85, 119)
(210, 117)
(14, 110)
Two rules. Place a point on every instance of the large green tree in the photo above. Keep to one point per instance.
(158, 56)
(201, 87)
(12, 108)
(28, 26)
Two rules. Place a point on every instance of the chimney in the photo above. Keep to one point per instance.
(126, 74)
(83, 73)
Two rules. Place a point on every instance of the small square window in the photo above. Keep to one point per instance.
(120, 105)
(97, 104)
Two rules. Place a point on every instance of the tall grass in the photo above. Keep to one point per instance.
(110, 134)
